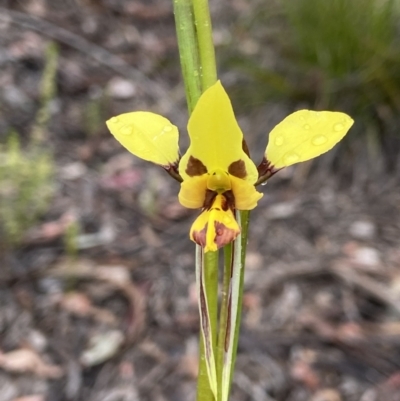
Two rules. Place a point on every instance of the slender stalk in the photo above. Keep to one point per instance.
(245, 220)
(188, 51)
(197, 59)
(209, 272)
(205, 43)
(223, 314)
(211, 276)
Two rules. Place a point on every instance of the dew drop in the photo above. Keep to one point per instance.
(338, 127)
(279, 140)
(319, 140)
(306, 126)
(167, 128)
(114, 120)
(291, 158)
(127, 130)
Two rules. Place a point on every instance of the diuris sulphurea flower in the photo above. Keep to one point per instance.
(216, 172)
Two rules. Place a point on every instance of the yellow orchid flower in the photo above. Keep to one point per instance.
(216, 172)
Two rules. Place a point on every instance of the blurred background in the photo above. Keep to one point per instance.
(97, 298)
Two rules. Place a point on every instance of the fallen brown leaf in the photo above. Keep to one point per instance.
(28, 361)
(30, 398)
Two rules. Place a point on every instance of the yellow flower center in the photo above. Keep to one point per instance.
(219, 181)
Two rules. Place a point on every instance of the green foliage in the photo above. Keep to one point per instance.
(70, 240)
(25, 188)
(47, 93)
(342, 36)
(26, 175)
(336, 54)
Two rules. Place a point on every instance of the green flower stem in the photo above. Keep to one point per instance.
(245, 219)
(205, 43)
(204, 392)
(188, 51)
(197, 57)
(223, 313)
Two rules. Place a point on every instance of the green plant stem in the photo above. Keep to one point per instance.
(204, 392)
(245, 219)
(223, 312)
(197, 57)
(188, 51)
(205, 43)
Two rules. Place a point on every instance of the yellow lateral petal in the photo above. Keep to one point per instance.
(147, 135)
(193, 192)
(215, 136)
(246, 195)
(304, 135)
(216, 227)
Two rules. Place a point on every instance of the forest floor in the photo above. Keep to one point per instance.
(98, 299)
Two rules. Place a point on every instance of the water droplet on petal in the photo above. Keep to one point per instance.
(338, 127)
(167, 128)
(114, 120)
(319, 140)
(302, 118)
(279, 140)
(127, 130)
(291, 158)
(306, 126)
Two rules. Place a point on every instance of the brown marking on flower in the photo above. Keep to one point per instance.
(209, 199)
(195, 167)
(238, 169)
(229, 201)
(265, 171)
(224, 235)
(245, 147)
(199, 237)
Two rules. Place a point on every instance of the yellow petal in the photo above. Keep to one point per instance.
(216, 139)
(304, 135)
(216, 227)
(246, 195)
(193, 192)
(147, 135)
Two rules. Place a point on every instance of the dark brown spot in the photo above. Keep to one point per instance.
(265, 171)
(209, 199)
(238, 169)
(195, 167)
(229, 201)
